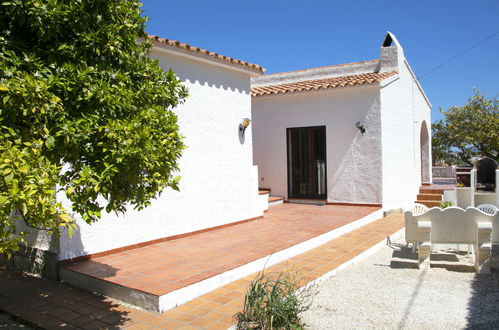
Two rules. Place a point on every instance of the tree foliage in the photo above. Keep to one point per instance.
(441, 148)
(83, 110)
(471, 129)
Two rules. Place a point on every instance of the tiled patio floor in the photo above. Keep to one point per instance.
(51, 305)
(164, 267)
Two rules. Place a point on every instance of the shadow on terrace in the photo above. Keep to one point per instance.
(49, 304)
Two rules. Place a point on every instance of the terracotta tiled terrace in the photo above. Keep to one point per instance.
(162, 268)
(49, 304)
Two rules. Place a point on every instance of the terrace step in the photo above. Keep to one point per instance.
(430, 197)
(428, 203)
(431, 191)
(307, 201)
(275, 200)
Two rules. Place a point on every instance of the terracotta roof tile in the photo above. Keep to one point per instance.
(178, 44)
(308, 85)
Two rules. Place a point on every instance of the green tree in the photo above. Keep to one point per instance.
(83, 110)
(471, 130)
(441, 149)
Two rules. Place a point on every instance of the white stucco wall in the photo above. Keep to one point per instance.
(219, 180)
(403, 110)
(353, 159)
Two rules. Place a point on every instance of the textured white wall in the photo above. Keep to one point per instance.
(219, 180)
(353, 159)
(403, 110)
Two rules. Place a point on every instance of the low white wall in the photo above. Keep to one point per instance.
(450, 196)
(463, 197)
(38, 239)
(353, 159)
(219, 180)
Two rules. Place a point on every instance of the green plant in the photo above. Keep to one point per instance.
(84, 111)
(274, 301)
(443, 205)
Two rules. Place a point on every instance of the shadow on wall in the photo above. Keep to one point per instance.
(74, 248)
(71, 247)
(205, 74)
(227, 87)
(50, 304)
(242, 135)
(483, 306)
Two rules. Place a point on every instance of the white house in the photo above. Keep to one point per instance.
(305, 117)
(219, 183)
(354, 133)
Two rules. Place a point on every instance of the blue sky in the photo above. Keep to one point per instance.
(292, 35)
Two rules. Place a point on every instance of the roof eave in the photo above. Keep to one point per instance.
(380, 82)
(202, 55)
(329, 88)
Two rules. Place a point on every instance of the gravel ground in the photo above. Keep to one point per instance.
(8, 323)
(387, 291)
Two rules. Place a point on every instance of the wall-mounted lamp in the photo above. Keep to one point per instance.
(244, 125)
(360, 126)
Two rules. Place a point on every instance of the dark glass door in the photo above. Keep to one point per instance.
(307, 162)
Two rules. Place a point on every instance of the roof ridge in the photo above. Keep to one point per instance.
(321, 67)
(194, 49)
(360, 75)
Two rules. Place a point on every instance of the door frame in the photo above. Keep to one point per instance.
(288, 156)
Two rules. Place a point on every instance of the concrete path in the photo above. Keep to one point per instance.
(388, 291)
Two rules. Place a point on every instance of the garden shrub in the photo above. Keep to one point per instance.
(444, 205)
(274, 301)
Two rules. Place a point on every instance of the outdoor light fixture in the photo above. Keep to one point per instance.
(244, 125)
(360, 126)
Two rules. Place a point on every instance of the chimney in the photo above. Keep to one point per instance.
(391, 54)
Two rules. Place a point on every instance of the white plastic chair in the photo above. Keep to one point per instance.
(418, 209)
(487, 208)
(411, 224)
